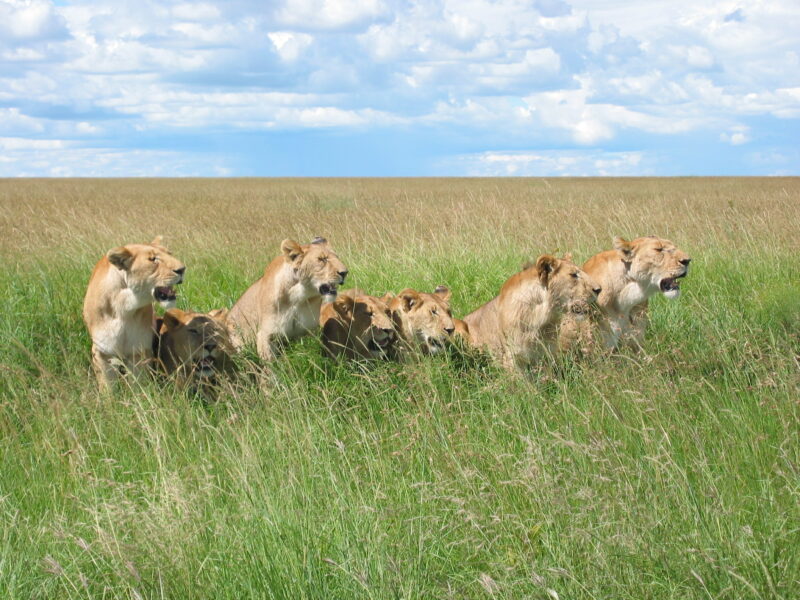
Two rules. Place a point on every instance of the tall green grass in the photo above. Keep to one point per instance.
(673, 473)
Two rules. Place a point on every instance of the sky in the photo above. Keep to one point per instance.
(113, 88)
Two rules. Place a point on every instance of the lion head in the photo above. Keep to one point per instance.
(361, 326)
(149, 270)
(424, 319)
(570, 289)
(195, 345)
(316, 265)
(655, 263)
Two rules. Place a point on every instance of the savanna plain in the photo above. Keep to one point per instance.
(669, 473)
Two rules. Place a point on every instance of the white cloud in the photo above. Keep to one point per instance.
(313, 15)
(579, 72)
(29, 20)
(544, 163)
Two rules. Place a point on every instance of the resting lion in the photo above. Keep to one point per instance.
(356, 325)
(118, 306)
(424, 321)
(284, 303)
(520, 325)
(195, 347)
(629, 274)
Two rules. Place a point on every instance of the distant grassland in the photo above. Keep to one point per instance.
(674, 473)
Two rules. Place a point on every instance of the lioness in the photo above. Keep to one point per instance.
(424, 321)
(118, 306)
(284, 303)
(630, 274)
(519, 326)
(194, 346)
(356, 325)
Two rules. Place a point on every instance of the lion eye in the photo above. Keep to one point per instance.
(153, 259)
(434, 311)
(323, 259)
(575, 274)
(659, 249)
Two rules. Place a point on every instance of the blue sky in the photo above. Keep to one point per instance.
(376, 87)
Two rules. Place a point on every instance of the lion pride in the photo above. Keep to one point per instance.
(284, 304)
(118, 306)
(519, 326)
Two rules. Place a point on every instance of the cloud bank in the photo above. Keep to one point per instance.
(306, 87)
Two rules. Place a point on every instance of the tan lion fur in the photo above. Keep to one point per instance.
(519, 326)
(118, 306)
(284, 304)
(357, 325)
(424, 321)
(630, 274)
(194, 347)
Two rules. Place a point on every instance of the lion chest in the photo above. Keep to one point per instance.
(629, 296)
(298, 320)
(119, 337)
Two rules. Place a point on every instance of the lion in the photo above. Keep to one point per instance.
(118, 306)
(519, 326)
(194, 347)
(284, 304)
(630, 274)
(357, 325)
(424, 321)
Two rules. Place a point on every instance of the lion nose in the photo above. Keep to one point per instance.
(343, 274)
(685, 261)
(210, 346)
(450, 330)
(597, 290)
(180, 271)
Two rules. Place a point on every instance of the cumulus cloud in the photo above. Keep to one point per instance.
(574, 73)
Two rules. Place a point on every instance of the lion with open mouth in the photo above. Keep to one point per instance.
(284, 304)
(630, 274)
(194, 347)
(118, 306)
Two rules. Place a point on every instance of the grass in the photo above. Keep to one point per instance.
(674, 473)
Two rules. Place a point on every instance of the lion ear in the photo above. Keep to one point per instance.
(443, 292)
(546, 266)
(344, 304)
(157, 241)
(120, 257)
(387, 297)
(409, 297)
(291, 250)
(319, 240)
(218, 314)
(624, 248)
(174, 318)
(567, 256)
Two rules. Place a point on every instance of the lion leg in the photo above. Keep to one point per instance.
(266, 346)
(639, 321)
(105, 369)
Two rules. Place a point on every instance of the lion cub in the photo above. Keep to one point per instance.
(118, 306)
(630, 274)
(519, 326)
(424, 321)
(356, 325)
(195, 347)
(284, 303)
